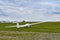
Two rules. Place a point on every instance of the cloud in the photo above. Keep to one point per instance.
(29, 10)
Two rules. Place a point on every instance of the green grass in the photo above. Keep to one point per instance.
(43, 27)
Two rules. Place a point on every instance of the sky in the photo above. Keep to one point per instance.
(30, 10)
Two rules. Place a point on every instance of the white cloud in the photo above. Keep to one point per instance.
(25, 13)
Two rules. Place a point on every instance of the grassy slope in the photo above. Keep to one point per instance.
(43, 27)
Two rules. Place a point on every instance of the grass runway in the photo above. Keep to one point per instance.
(43, 27)
(43, 31)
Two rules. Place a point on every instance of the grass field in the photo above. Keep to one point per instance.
(43, 27)
(43, 31)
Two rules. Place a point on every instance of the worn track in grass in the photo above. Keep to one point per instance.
(16, 35)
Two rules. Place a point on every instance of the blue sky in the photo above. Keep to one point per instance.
(31, 10)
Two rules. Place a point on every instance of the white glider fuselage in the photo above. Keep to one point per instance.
(26, 25)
